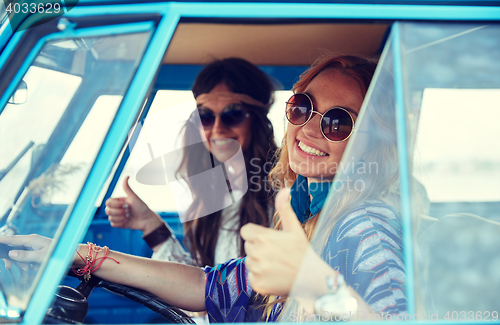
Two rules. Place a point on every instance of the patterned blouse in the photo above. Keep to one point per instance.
(365, 246)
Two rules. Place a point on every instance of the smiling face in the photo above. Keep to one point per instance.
(309, 153)
(223, 141)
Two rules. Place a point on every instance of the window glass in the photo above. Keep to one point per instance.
(452, 141)
(169, 111)
(48, 144)
(86, 144)
(2, 12)
(452, 80)
(49, 94)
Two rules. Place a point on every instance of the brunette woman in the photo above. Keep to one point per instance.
(233, 99)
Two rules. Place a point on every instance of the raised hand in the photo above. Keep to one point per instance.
(131, 212)
(275, 257)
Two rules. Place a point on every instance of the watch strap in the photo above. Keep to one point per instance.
(157, 236)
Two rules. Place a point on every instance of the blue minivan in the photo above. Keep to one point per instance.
(89, 88)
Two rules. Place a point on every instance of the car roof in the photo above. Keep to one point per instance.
(398, 2)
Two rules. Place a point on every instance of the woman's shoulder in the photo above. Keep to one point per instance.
(366, 247)
(369, 216)
(227, 267)
(375, 207)
(370, 223)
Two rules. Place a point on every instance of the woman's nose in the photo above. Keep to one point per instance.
(218, 125)
(312, 127)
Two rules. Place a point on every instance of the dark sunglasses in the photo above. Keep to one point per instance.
(336, 124)
(232, 115)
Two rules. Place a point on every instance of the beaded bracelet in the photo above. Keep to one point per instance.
(92, 262)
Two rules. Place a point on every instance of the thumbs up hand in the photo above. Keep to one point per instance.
(274, 257)
(131, 212)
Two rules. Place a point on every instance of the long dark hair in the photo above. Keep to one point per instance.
(241, 77)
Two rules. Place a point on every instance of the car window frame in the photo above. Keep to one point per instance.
(132, 102)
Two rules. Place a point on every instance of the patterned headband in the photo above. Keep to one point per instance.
(203, 98)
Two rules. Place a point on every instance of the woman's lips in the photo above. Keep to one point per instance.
(308, 151)
(221, 144)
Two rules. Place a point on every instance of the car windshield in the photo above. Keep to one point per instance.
(50, 136)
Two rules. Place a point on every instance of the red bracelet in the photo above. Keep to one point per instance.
(92, 262)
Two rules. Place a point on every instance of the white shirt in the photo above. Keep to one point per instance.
(227, 247)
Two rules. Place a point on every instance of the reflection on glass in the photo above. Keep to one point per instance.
(2, 12)
(453, 95)
(161, 124)
(20, 95)
(49, 144)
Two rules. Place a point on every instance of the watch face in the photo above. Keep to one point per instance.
(339, 303)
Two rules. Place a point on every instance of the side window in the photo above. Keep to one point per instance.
(445, 149)
(453, 100)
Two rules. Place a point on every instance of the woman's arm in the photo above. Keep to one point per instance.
(282, 263)
(172, 250)
(180, 285)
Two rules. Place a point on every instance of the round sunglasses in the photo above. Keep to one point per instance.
(336, 124)
(232, 115)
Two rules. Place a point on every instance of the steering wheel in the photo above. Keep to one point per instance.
(71, 305)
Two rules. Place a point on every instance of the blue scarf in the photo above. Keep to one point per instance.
(302, 205)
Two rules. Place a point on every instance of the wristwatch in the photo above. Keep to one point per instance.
(337, 302)
(157, 236)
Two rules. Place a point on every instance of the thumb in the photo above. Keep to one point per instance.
(128, 189)
(289, 221)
